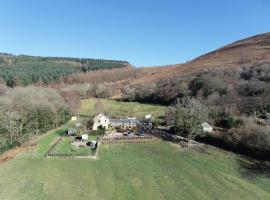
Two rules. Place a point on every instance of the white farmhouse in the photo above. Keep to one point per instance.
(127, 123)
(101, 120)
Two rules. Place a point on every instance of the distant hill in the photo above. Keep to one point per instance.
(243, 53)
(237, 74)
(252, 51)
(24, 69)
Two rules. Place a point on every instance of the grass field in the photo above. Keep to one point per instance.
(160, 170)
(120, 109)
(130, 171)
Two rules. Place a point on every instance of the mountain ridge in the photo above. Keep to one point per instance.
(246, 52)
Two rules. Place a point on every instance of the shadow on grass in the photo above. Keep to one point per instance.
(251, 168)
(60, 132)
(141, 102)
(244, 151)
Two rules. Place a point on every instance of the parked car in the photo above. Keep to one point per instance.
(140, 133)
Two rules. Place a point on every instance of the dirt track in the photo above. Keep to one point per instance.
(15, 151)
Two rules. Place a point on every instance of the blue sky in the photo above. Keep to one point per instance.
(143, 32)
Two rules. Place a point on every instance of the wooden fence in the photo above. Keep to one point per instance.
(50, 152)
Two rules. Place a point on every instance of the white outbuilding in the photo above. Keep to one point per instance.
(74, 118)
(207, 128)
(149, 116)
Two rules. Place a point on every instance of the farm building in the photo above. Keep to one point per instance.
(100, 120)
(128, 123)
(207, 128)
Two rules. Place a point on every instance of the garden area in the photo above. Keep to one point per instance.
(66, 147)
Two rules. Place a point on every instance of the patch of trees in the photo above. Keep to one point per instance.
(260, 73)
(208, 85)
(104, 76)
(186, 117)
(88, 90)
(29, 111)
(246, 89)
(250, 135)
(162, 92)
(25, 70)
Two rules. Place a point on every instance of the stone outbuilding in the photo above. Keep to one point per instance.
(207, 128)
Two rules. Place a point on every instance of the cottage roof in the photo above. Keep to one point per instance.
(130, 120)
(125, 121)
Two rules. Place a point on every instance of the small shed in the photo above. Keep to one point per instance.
(73, 118)
(70, 131)
(93, 144)
(207, 128)
(149, 116)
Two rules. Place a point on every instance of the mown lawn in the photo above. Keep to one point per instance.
(130, 171)
(120, 109)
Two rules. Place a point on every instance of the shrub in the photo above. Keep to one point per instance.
(255, 105)
(224, 117)
(103, 91)
(252, 136)
(208, 85)
(260, 72)
(129, 93)
(253, 89)
(72, 99)
(100, 131)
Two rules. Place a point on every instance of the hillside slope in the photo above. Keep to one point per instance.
(243, 53)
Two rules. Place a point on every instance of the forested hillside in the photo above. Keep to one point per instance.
(25, 70)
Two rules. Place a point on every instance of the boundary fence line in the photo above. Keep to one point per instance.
(127, 139)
